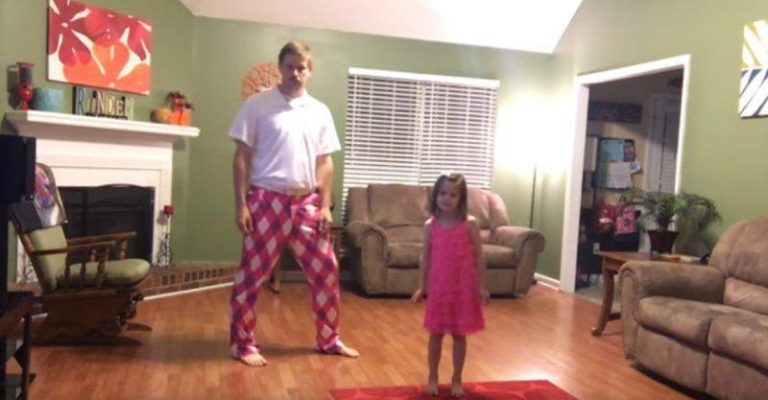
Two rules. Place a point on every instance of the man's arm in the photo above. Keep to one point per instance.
(324, 171)
(241, 167)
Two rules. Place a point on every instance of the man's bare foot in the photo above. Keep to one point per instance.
(457, 390)
(253, 360)
(431, 388)
(342, 350)
(347, 351)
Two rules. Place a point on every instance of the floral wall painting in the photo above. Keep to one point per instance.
(92, 46)
(753, 93)
(260, 77)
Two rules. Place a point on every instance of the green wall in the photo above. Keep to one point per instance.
(23, 38)
(207, 58)
(226, 50)
(722, 153)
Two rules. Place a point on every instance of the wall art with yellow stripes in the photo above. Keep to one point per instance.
(753, 92)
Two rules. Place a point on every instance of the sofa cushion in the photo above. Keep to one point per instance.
(398, 205)
(742, 251)
(745, 295)
(741, 336)
(497, 211)
(407, 254)
(477, 206)
(485, 235)
(405, 234)
(684, 319)
(404, 255)
(499, 256)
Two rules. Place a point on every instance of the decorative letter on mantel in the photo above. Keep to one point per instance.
(753, 91)
(92, 46)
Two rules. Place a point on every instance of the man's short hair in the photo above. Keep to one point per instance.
(295, 47)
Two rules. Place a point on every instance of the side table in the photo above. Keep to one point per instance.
(612, 262)
(276, 279)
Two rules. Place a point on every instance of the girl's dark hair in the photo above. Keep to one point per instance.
(460, 182)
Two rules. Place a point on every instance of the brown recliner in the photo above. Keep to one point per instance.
(386, 225)
(705, 327)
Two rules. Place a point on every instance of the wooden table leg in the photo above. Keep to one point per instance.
(605, 310)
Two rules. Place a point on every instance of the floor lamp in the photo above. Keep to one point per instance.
(533, 195)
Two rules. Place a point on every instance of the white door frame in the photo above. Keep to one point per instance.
(574, 175)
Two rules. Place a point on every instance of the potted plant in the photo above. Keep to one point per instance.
(666, 214)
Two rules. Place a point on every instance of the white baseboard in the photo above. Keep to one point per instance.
(547, 281)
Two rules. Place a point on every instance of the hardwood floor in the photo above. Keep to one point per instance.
(185, 355)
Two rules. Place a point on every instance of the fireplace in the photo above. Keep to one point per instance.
(115, 208)
(91, 152)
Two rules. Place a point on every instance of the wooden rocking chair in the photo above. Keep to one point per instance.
(87, 302)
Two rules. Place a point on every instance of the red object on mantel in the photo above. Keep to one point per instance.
(24, 89)
(168, 210)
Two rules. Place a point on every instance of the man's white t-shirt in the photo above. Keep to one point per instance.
(287, 135)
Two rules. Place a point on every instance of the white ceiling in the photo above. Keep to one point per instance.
(530, 25)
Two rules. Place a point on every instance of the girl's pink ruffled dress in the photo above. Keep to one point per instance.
(453, 303)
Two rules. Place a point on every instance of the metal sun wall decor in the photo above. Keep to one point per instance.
(260, 77)
(92, 46)
(753, 93)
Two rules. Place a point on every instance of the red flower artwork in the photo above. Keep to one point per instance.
(64, 20)
(106, 27)
(139, 37)
(103, 58)
(105, 70)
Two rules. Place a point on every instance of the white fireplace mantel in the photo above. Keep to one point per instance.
(44, 124)
(93, 151)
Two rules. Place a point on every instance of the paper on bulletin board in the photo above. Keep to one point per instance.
(614, 175)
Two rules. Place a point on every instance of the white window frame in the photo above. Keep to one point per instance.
(409, 128)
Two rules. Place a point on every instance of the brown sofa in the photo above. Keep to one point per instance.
(386, 225)
(705, 327)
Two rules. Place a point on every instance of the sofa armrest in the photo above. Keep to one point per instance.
(515, 237)
(369, 264)
(527, 243)
(357, 230)
(640, 279)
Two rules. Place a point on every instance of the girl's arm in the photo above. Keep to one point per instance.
(477, 244)
(425, 265)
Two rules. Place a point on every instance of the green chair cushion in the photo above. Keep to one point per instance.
(125, 272)
(51, 265)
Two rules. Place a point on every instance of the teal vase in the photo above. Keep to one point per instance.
(48, 99)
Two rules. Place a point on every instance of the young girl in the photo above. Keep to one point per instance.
(452, 272)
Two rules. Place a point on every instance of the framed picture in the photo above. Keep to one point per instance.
(100, 48)
(753, 90)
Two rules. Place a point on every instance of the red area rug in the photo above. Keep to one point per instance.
(513, 390)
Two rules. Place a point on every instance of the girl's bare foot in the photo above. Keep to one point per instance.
(253, 360)
(431, 388)
(457, 390)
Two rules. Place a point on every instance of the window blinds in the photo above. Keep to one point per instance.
(410, 128)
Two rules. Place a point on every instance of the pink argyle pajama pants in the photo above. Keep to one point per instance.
(279, 219)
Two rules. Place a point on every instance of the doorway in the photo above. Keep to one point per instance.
(609, 87)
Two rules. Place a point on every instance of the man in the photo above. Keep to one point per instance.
(283, 175)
